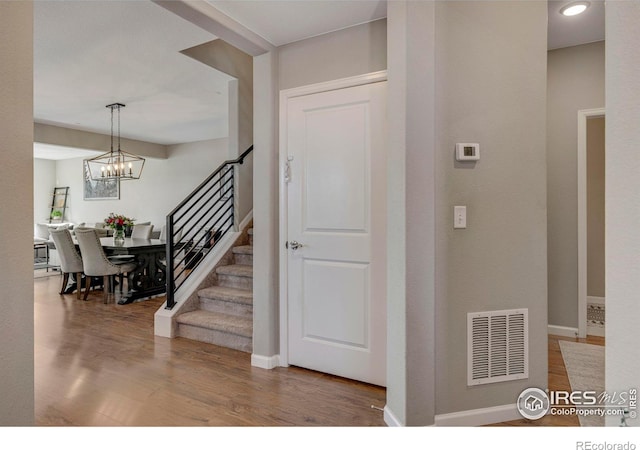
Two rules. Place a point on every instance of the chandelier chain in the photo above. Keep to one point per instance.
(118, 127)
(111, 129)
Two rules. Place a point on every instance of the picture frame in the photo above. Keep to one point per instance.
(99, 189)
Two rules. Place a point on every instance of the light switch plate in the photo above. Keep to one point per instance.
(459, 217)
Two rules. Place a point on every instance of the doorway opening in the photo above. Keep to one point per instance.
(591, 256)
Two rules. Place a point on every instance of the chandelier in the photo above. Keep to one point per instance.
(115, 164)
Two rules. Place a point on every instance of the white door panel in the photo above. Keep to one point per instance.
(347, 294)
(336, 186)
(337, 211)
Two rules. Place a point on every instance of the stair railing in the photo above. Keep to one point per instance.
(198, 223)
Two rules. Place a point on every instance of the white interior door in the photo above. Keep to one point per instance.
(337, 214)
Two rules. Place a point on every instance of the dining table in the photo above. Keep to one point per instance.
(148, 279)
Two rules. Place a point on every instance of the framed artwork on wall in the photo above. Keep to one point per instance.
(99, 189)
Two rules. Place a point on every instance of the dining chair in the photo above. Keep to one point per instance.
(96, 263)
(102, 232)
(163, 235)
(176, 239)
(70, 259)
(142, 231)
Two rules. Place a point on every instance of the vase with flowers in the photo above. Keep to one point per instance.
(118, 223)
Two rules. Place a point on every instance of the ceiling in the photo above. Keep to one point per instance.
(91, 54)
(581, 29)
(88, 54)
(284, 21)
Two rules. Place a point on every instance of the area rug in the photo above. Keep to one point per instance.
(585, 368)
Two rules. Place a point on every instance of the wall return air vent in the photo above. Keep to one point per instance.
(497, 346)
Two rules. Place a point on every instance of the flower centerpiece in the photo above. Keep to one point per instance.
(118, 223)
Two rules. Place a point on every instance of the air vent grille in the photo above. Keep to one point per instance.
(497, 346)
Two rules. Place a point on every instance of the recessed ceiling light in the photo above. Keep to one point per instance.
(575, 8)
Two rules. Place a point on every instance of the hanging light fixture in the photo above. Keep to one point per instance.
(115, 164)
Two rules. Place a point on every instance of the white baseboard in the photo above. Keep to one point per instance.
(163, 322)
(265, 362)
(596, 300)
(596, 331)
(562, 331)
(470, 418)
(478, 417)
(246, 220)
(390, 418)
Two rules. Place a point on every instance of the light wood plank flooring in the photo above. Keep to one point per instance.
(100, 364)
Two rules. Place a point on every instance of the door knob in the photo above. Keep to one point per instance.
(294, 245)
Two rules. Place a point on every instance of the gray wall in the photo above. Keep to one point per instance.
(164, 183)
(490, 89)
(623, 211)
(595, 206)
(237, 64)
(16, 197)
(227, 59)
(67, 137)
(411, 205)
(500, 260)
(266, 272)
(352, 51)
(44, 180)
(575, 82)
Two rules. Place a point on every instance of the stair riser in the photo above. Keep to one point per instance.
(220, 306)
(245, 260)
(235, 281)
(216, 337)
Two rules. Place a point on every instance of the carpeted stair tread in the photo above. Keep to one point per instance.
(243, 250)
(238, 270)
(227, 294)
(241, 326)
(250, 231)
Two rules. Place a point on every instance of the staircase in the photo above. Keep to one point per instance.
(225, 314)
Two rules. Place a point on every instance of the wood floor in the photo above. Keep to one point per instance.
(558, 381)
(100, 364)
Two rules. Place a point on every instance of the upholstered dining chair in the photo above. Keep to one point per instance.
(70, 259)
(96, 263)
(163, 235)
(176, 240)
(141, 231)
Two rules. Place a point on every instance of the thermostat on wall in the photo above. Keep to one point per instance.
(467, 152)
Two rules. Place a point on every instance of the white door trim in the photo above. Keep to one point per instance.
(583, 115)
(285, 95)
